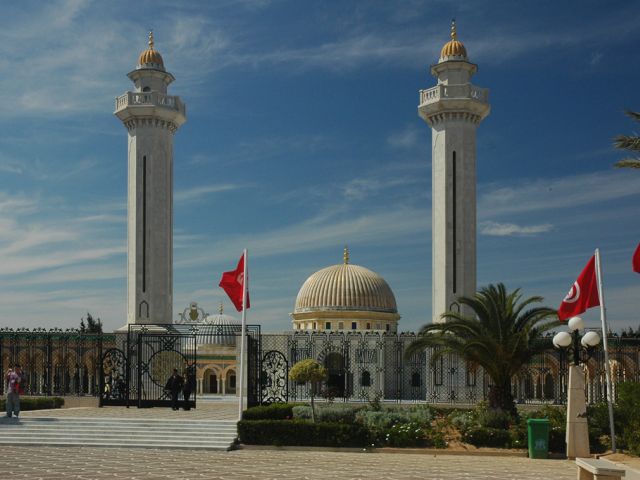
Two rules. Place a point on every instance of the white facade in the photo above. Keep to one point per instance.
(453, 109)
(151, 118)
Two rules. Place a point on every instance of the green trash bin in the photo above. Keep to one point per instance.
(538, 435)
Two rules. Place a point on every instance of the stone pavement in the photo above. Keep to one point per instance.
(53, 463)
(227, 410)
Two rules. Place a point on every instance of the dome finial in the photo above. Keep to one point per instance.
(345, 255)
(150, 39)
(454, 34)
(221, 308)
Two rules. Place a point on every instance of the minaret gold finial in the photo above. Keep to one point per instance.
(221, 308)
(345, 255)
(454, 34)
(150, 39)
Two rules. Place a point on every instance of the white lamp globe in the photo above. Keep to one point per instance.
(590, 339)
(576, 323)
(562, 340)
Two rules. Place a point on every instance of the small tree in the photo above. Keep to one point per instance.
(308, 370)
(93, 325)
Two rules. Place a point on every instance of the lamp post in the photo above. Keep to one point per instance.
(577, 437)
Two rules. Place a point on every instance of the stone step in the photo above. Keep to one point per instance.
(119, 427)
(118, 432)
(130, 434)
(187, 446)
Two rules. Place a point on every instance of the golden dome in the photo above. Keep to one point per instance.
(345, 287)
(150, 58)
(453, 48)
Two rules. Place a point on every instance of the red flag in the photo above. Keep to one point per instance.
(583, 293)
(232, 283)
(636, 259)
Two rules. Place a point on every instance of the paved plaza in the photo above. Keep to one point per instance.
(53, 463)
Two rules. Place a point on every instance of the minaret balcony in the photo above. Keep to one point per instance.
(454, 98)
(152, 99)
(435, 94)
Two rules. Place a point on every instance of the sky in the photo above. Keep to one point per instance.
(303, 137)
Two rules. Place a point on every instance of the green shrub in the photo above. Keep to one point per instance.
(487, 437)
(491, 418)
(408, 434)
(599, 429)
(462, 420)
(382, 420)
(628, 412)
(331, 413)
(300, 432)
(275, 411)
(36, 403)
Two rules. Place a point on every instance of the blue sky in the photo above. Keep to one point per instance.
(303, 136)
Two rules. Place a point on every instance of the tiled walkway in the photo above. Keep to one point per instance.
(49, 463)
(206, 410)
(53, 463)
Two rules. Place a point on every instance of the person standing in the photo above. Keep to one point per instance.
(187, 389)
(174, 386)
(13, 378)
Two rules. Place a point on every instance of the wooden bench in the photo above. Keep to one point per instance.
(590, 468)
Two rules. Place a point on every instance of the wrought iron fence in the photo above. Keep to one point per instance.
(54, 362)
(365, 366)
(124, 368)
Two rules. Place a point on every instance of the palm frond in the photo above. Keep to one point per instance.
(503, 332)
(628, 163)
(632, 114)
(627, 142)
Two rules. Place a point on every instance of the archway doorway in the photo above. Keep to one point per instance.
(230, 384)
(213, 383)
(334, 363)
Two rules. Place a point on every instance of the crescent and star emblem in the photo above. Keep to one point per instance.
(574, 294)
(240, 278)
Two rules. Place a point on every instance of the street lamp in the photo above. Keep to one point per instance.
(577, 437)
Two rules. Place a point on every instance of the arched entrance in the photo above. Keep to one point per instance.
(210, 381)
(334, 363)
(230, 384)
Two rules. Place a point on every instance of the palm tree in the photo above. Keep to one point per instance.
(503, 334)
(631, 143)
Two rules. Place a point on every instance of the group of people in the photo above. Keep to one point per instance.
(177, 384)
(14, 386)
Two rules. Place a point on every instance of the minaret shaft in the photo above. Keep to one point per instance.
(453, 214)
(151, 117)
(150, 225)
(453, 109)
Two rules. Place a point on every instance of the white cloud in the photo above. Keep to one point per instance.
(195, 193)
(409, 137)
(511, 229)
(361, 188)
(372, 228)
(540, 194)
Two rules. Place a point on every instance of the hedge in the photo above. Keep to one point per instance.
(275, 411)
(35, 403)
(303, 433)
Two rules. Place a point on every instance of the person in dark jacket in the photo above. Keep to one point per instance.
(187, 389)
(173, 386)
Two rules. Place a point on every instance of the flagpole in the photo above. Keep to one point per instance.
(242, 335)
(607, 366)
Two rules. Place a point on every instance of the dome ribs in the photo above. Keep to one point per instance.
(346, 287)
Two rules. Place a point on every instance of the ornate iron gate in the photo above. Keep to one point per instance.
(254, 357)
(274, 382)
(135, 371)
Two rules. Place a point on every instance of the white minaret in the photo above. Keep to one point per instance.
(151, 118)
(453, 109)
